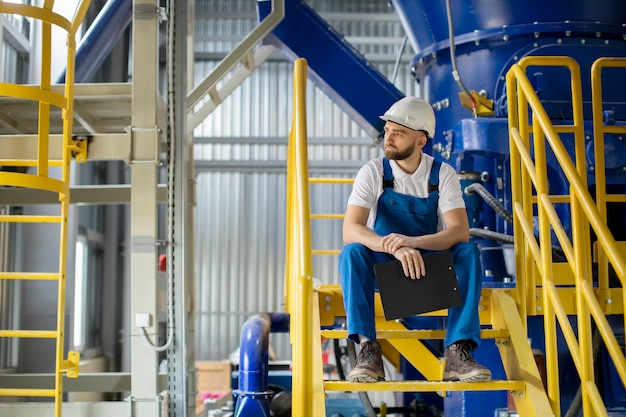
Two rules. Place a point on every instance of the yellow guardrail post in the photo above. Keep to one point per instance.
(307, 373)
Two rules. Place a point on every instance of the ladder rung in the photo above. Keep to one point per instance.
(26, 392)
(325, 180)
(28, 162)
(29, 219)
(414, 334)
(31, 334)
(325, 252)
(327, 216)
(44, 276)
(425, 386)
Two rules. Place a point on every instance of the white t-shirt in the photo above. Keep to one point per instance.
(368, 186)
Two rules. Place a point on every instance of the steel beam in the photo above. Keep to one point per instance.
(82, 195)
(86, 382)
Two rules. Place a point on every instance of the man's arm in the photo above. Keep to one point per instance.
(355, 228)
(456, 231)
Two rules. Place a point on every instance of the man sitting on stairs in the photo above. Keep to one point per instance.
(392, 214)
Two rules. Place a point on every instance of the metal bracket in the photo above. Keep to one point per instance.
(146, 11)
(163, 17)
(484, 106)
(78, 146)
(131, 138)
(70, 365)
(161, 401)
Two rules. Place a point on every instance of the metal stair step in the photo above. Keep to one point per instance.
(425, 386)
(413, 334)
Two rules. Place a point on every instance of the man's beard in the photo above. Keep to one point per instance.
(397, 155)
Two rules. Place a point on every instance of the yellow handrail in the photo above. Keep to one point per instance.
(299, 269)
(528, 176)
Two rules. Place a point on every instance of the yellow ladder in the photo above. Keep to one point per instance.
(43, 179)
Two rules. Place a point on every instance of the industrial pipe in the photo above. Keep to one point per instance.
(490, 234)
(253, 395)
(491, 200)
(100, 38)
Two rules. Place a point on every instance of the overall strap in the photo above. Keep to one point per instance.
(387, 174)
(433, 182)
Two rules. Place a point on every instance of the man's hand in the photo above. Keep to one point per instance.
(412, 262)
(394, 241)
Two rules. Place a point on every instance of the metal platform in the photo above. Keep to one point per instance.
(98, 109)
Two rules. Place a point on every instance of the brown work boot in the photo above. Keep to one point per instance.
(461, 366)
(369, 364)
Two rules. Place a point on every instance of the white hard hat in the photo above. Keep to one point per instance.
(412, 112)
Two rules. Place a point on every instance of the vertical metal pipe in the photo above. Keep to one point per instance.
(253, 394)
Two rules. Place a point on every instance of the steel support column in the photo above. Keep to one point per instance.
(181, 354)
(143, 208)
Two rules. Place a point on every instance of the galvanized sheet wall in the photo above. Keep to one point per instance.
(240, 162)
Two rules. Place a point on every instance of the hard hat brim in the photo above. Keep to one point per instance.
(401, 122)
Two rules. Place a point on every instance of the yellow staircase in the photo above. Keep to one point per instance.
(555, 291)
(36, 174)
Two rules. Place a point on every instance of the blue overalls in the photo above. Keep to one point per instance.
(411, 216)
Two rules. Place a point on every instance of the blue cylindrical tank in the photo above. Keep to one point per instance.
(491, 35)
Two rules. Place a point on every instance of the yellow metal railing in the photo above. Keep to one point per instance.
(42, 179)
(530, 130)
(599, 130)
(300, 299)
(328, 216)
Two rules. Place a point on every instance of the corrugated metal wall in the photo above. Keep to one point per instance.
(240, 163)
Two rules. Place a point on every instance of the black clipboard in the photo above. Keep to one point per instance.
(402, 296)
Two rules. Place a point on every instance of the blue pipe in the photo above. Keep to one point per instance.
(101, 37)
(253, 394)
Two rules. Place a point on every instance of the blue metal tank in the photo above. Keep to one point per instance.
(490, 35)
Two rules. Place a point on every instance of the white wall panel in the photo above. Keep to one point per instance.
(240, 156)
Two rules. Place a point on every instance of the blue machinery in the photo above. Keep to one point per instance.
(468, 89)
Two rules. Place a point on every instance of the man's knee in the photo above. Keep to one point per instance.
(354, 251)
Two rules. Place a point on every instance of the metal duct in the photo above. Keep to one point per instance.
(100, 38)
